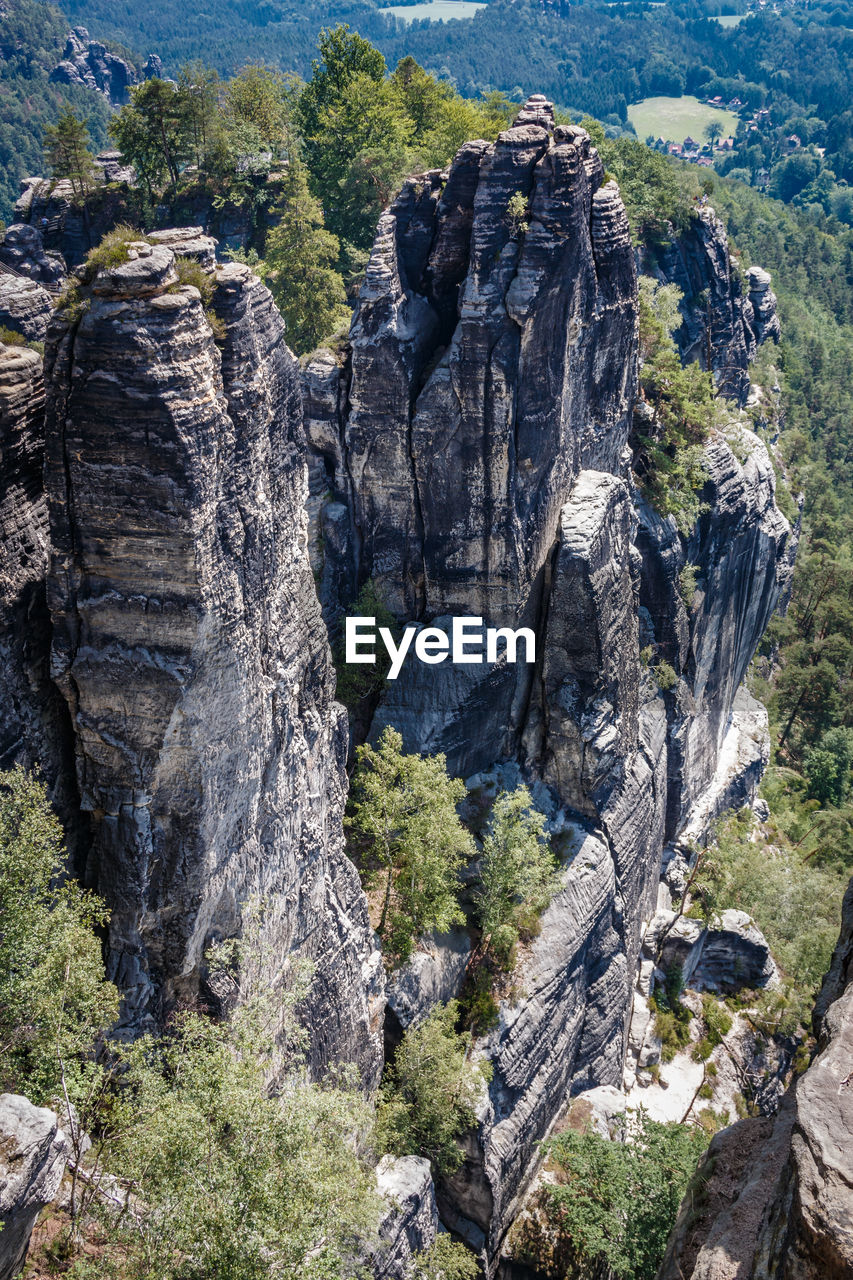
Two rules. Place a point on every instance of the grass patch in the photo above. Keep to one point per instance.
(678, 118)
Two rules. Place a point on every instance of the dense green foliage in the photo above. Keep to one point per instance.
(32, 39)
(613, 1203)
(518, 875)
(431, 1091)
(54, 1001)
(678, 406)
(197, 1167)
(405, 832)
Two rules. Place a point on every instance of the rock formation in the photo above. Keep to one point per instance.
(470, 457)
(188, 644)
(409, 1226)
(777, 1202)
(34, 725)
(89, 64)
(720, 325)
(33, 1151)
(25, 307)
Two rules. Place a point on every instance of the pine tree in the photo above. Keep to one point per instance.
(66, 151)
(300, 258)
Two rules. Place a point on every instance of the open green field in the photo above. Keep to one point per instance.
(676, 118)
(435, 9)
(729, 19)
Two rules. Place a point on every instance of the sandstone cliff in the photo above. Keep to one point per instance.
(188, 644)
(470, 456)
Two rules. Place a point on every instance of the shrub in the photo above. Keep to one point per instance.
(665, 675)
(11, 338)
(430, 1092)
(518, 874)
(614, 1203)
(404, 827)
(444, 1260)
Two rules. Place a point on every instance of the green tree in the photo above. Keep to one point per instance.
(232, 1181)
(262, 99)
(198, 94)
(430, 1095)
(152, 132)
(55, 1002)
(444, 1260)
(827, 766)
(356, 135)
(66, 151)
(614, 1203)
(300, 263)
(518, 875)
(403, 826)
(713, 131)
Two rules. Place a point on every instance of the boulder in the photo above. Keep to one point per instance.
(410, 1223)
(33, 1153)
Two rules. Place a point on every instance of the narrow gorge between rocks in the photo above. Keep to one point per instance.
(188, 512)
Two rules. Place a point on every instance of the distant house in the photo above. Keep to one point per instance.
(716, 102)
(762, 177)
(703, 160)
(735, 104)
(726, 144)
(793, 142)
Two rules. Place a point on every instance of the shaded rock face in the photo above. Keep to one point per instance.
(469, 455)
(22, 249)
(777, 1205)
(33, 1152)
(410, 1224)
(89, 63)
(720, 326)
(34, 724)
(189, 647)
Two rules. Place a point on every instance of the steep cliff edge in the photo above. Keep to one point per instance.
(777, 1202)
(189, 647)
(470, 458)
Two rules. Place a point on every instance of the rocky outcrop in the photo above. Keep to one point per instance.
(777, 1201)
(89, 64)
(22, 250)
(720, 327)
(33, 1152)
(188, 644)
(433, 975)
(738, 559)
(410, 1223)
(34, 728)
(25, 307)
(470, 458)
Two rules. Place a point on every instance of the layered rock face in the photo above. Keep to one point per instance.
(470, 458)
(777, 1204)
(34, 727)
(189, 647)
(721, 320)
(88, 63)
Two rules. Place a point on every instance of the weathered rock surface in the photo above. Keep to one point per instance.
(411, 1222)
(719, 326)
(34, 725)
(470, 457)
(432, 976)
(33, 1152)
(190, 650)
(89, 64)
(25, 307)
(22, 249)
(778, 1205)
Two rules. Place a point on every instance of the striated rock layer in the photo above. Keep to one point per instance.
(469, 456)
(189, 647)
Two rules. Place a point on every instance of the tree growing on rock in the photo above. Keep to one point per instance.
(431, 1091)
(66, 151)
(406, 835)
(518, 874)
